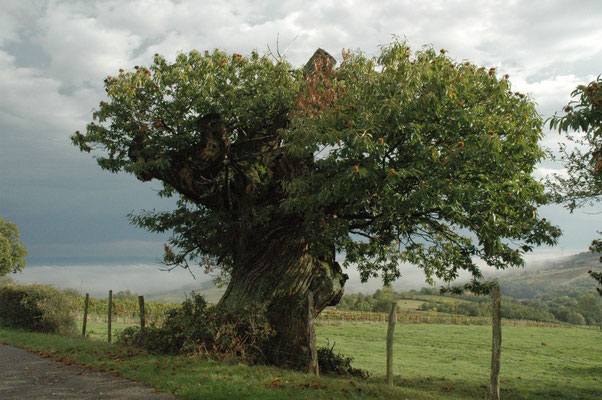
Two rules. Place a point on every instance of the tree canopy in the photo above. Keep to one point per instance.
(12, 252)
(403, 157)
(402, 148)
(582, 125)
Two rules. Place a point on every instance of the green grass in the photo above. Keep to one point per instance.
(537, 363)
(198, 377)
(430, 362)
(409, 305)
(99, 330)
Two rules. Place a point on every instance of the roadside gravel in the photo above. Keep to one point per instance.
(24, 376)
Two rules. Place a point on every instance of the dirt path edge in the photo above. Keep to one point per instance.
(26, 375)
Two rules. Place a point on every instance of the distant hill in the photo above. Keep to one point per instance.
(566, 273)
(558, 291)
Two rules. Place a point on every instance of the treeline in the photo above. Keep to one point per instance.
(532, 290)
(572, 305)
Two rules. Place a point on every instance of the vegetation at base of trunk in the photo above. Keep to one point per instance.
(403, 157)
(36, 308)
(337, 364)
(198, 328)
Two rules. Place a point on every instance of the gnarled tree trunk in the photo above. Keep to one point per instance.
(277, 273)
(240, 183)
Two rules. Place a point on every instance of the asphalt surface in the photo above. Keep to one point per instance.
(24, 376)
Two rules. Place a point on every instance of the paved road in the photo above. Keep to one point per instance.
(26, 376)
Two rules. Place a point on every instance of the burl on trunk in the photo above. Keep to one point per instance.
(279, 275)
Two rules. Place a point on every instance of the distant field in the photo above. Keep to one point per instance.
(452, 361)
(558, 277)
(436, 298)
(407, 304)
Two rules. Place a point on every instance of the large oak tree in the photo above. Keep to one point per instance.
(405, 157)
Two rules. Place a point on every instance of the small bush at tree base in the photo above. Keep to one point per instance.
(337, 364)
(36, 308)
(195, 327)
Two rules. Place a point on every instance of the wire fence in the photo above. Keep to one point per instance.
(123, 310)
(127, 311)
(330, 316)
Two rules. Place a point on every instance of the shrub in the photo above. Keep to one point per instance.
(337, 364)
(36, 308)
(195, 327)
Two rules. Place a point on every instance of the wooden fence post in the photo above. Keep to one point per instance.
(390, 331)
(142, 317)
(311, 314)
(496, 348)
(109, 315)
(86, 301)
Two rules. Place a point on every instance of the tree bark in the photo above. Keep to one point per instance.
(311, 314)
(278, 272)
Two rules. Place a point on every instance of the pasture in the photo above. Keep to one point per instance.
(452, 361)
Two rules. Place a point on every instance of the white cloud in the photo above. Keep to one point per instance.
(551, 94)
(16, 16)
(83, 50)
(31, 102)
(543, 172)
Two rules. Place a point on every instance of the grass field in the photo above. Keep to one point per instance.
(99, 330)
(201, 378)
(430, 362)
(409, 305)
(454, 360)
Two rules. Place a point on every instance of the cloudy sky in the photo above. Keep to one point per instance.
(54, 55)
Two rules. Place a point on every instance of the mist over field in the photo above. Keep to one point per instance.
(149, 278)
(98, 279)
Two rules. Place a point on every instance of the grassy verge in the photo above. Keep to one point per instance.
(430, 362)
(199, 378)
